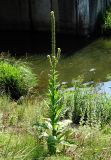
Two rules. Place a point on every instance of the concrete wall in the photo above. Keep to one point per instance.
(77, 16)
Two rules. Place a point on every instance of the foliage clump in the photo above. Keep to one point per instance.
(106, 21)
(85, 104)
(16, 78)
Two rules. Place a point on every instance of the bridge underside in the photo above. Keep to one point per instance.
(73, 16)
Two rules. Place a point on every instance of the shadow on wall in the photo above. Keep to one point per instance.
(24, 19)
(75, 16)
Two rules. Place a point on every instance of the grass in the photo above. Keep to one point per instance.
(19, 139)
(17, 146)
(91, 143)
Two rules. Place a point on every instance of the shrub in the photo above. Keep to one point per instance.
(15, 78)
(84, 104)
(106, 21)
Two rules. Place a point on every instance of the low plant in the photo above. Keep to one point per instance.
(84, 104)
(16, 78)
(91, 143)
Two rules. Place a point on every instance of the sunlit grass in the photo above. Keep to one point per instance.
(19, 140)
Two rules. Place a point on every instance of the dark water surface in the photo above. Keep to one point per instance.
(93, 61)
(80, 56)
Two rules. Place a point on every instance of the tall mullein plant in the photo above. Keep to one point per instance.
(55, 100)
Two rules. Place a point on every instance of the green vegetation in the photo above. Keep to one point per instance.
(106, 20)
(16, 78)
(63, 125)
(55, 103)
(20, 139)
(58, 135)
(57, 131)
(84, 104)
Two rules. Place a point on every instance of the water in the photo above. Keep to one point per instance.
(79, 55)
(93, 61)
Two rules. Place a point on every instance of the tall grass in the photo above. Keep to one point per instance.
(18, 137)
